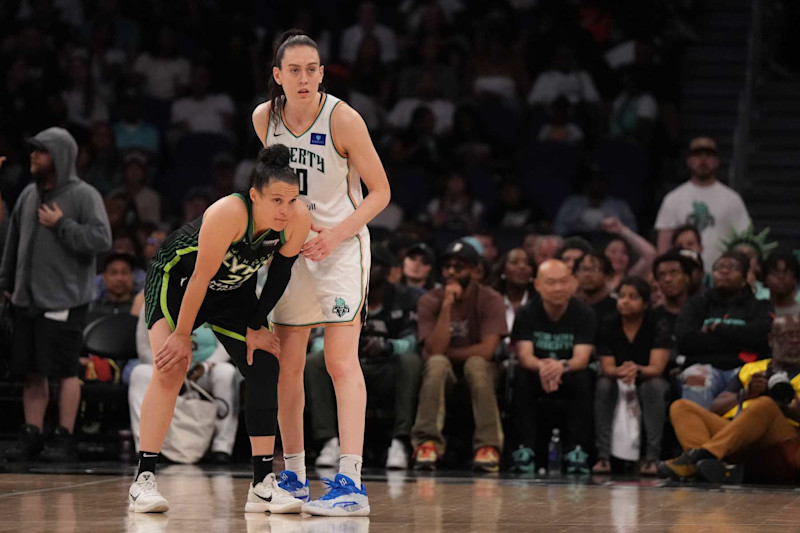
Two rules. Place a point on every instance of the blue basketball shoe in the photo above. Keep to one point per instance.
(292, 485)
(342, 499)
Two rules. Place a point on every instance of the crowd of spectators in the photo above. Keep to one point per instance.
(527, 144)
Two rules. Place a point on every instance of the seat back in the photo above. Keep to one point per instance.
(112, 336)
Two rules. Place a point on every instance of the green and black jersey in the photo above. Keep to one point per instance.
(175, 261)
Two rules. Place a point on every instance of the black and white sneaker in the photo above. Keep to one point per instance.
(143, 496)
(267, 495)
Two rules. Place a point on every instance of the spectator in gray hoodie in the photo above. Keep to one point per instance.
(57, 228)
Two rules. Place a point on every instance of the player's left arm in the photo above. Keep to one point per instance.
(351, 137)
(280, 270)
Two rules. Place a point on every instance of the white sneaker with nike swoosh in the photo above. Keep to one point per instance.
(268, 496)
(143, 496)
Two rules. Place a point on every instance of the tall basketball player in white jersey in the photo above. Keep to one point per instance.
(331, 152)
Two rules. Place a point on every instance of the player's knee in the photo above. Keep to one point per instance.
(172, 378)
(437, 364)
(342, 368)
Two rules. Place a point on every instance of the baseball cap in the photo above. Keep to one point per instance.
(463, 251)
(382, 256)
(703, 144)
(421, 248)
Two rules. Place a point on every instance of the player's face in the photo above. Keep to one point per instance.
(300, 73)
(274, 204)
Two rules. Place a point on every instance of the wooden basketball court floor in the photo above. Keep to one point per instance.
(211, 501)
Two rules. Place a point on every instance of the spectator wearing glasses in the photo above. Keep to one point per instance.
(460, 326)
(720, 330)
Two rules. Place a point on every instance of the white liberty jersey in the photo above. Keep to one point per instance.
(328, 185)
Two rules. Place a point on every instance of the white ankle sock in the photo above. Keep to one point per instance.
(350, 466)
(296, 462)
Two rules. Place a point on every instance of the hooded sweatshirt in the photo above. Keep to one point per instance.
(740, 334)
(53, 269)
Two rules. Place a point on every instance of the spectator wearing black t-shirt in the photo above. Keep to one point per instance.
(673, 274)
(634, 346)
(593, 271)
(554, 338)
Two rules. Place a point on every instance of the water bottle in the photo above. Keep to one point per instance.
(554, 454)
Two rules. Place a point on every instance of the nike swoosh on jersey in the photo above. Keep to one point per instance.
(276, 134)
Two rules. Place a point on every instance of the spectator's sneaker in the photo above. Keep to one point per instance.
(342, 499)
(602, 466)
(524, 460)
(143, 496)
(577, 461)
(397, 457)
(714, 471)
(266, 496)
(648, 468)
(681, 468)
(292, 485)
(486, 459)
(329, 455)
(30, 443)
(425, 456)
(61, 448)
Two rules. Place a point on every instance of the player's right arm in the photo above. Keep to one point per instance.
(260, 120)
(223, 223)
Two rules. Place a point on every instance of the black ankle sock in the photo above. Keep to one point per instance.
(262, 467)
(147, 462)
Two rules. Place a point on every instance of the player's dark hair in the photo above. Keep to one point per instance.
(272, 164)
(289, 39)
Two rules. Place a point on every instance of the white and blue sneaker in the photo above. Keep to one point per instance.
(292, 485)
(342, 499)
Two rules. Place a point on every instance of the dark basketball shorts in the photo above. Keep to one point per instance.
(46, 346)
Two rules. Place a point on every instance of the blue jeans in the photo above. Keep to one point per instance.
(715, 382)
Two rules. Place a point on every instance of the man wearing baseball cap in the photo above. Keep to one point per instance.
(57, 228)
(712, 207)
(460, 326)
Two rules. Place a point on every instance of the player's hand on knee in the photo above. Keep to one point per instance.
(261, 339)
(177, 349)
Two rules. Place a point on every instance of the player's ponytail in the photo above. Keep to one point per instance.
(272, 164)
(289, 39)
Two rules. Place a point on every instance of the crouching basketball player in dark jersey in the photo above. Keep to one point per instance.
(206, 272)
